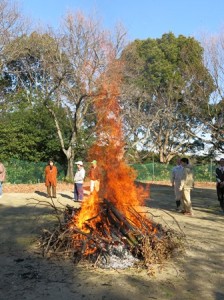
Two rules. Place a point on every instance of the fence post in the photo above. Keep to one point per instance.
(211, 170)
(153, 168)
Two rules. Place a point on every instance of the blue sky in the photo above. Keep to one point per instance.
(142, 19)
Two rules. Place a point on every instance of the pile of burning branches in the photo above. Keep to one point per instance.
(111, 240)
(107, 230)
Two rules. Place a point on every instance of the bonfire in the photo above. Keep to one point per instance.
(109, 229)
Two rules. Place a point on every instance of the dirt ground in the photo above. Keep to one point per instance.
(26, 275)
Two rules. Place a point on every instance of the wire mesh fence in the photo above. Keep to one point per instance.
(158, 172)
(30, 172)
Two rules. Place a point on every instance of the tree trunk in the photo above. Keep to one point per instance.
(161, 156)
(69, 153)
(70, 169)
(70, 164)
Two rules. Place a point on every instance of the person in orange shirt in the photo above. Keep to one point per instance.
(51, 173)
(2, 177)
(94, 176)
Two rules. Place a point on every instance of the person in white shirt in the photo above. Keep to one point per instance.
(175, 181)
(78, 181)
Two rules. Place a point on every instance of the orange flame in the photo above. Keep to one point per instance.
(117, 180)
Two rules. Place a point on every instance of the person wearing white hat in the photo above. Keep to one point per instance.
(78, 181)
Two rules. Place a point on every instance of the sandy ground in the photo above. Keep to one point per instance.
(26, 275)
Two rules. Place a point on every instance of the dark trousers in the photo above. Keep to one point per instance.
(51, 191)
(220, 194)
(178, 203)
(78, 191)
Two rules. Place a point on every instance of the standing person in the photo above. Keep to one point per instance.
(94, 175)
(78, 181)
(175, 181)
(186, 185)
(51, 173)
(2, 177)
(220, 183)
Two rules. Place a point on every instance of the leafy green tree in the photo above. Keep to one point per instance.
(28, 132)
(165, 84)
(217, 127)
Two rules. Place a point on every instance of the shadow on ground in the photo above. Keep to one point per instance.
(25, 274)
(162, 196)
(199, 274)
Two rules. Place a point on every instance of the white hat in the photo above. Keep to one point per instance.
(79, 163)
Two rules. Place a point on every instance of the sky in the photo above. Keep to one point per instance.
(142, 19)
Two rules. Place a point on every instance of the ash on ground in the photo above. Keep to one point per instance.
(117, 257)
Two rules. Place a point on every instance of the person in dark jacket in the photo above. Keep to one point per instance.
(220, 183)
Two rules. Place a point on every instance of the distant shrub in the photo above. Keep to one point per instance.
(18, 171)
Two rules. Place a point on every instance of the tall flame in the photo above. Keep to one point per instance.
(117, 180)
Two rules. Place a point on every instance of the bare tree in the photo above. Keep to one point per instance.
(12, 25)
(64, 71)
(159, 127)
(214, 60)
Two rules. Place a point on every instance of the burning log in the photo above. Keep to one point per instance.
(120, 222)
(113, 235)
